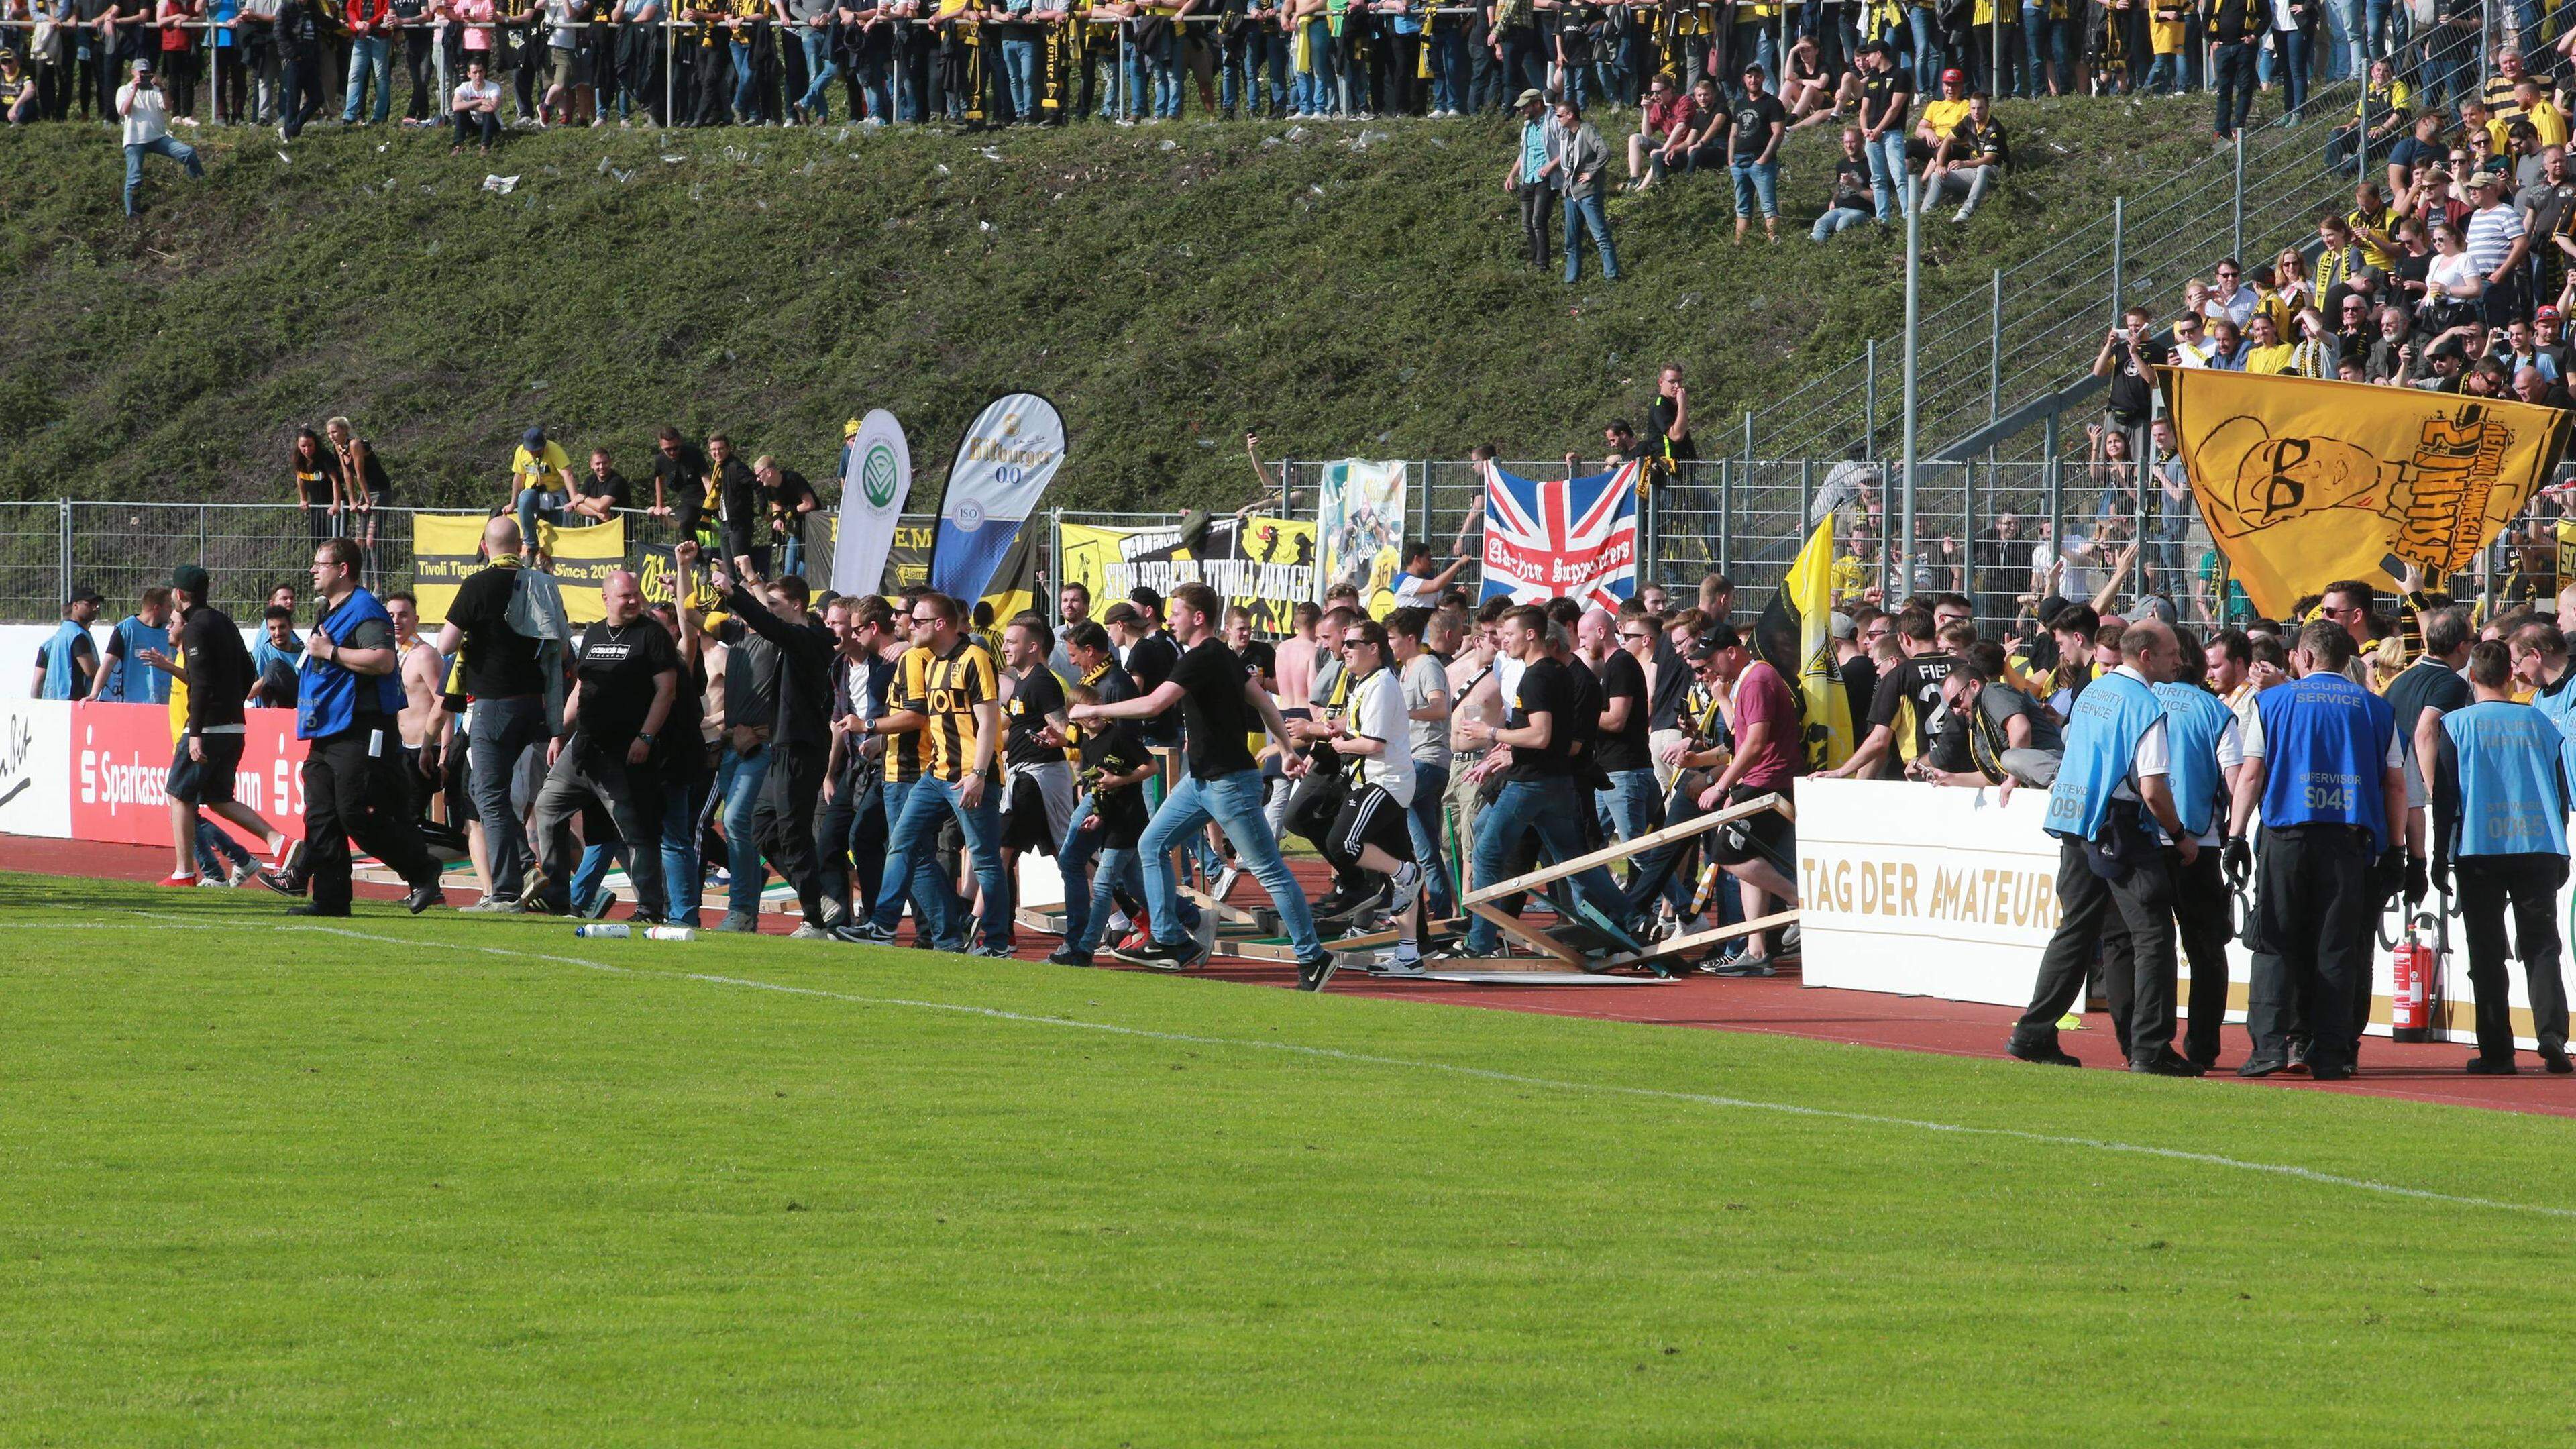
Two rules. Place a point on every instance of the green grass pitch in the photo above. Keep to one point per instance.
(445, 1182)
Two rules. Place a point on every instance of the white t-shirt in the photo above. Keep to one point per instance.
(1414, 592)
(1377, 712)
(471, 93)
(147, 114)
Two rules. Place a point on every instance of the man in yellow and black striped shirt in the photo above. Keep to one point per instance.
(959, 707)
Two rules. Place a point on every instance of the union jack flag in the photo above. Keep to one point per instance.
(1575, 537)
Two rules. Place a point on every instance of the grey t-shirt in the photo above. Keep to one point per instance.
(1424, 678)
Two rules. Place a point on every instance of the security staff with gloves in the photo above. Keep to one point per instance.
(2500, 796)
(348, 709)
(2324, 764)
(2111, 797)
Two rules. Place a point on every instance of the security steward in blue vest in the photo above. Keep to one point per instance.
(2111, 797)
(2324, 764)
(2500, 798)
(348, 703)
(2204, 750)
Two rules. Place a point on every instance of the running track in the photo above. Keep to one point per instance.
(1780, 1006)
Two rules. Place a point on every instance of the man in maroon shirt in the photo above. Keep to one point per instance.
(1757, 849)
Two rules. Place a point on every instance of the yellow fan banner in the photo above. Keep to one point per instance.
(2304, 482)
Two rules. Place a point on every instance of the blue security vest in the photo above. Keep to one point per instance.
(326, 695)
(2510, 801)
(136, 682)
(61, 679)
(2558, 705)
(2195, 721)
(2111, 716)
(2325, 745)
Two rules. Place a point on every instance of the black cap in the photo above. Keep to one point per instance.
(84, 594)
(191, 580)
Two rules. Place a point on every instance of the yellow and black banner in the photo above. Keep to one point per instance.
(1795, 637)
(1265, 565)
(2304, 482)
(446, 549)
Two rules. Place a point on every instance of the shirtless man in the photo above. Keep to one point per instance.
(426, 724)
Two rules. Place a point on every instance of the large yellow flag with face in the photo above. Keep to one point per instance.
(2303, 482)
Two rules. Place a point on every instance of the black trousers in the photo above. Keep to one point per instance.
(2138, 912)
(2200, 918)
(850, 838)
(783, 821)
(351, 795)
(1538, 206)
(2313, 908)
(420, 65)
(584, 776)
(2529, 884)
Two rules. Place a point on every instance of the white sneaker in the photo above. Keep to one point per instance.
(1404, 887)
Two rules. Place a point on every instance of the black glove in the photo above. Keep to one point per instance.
(2236, 860)
(2415, 882)
(2442, 874)
(2388, 873)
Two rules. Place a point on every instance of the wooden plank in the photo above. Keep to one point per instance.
(1231, 914)
(1528, 935)
(1431, 931)
(1252, 950)
(1620, 850)
(1047, 918)
(1696, 939)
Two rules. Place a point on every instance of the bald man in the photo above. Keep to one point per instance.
(605, 749)
(502, 670)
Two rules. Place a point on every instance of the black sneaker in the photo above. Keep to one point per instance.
(2491, 1067)
(1314, 971)
(1067, 956)
(307, 908)
(2329, 1072)
(423, 897)
(280, 882)
(2554, 1057)
(2049, 1055)
(1156, 956)
(2262, 1066)
(1747, 965)
(599, 906)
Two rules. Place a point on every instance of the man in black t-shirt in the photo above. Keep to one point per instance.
(1094, 658)
(679, 482)
(1970, 160)
(2125, 358)
(1886, 98)
(627, 672)
(502, 670)
(1904, 711)
(1758, 123)
(597, 498)
(791, 503)
(1668, 436)
(1150, 661)
(740, 512)
(1217, 708)
(1539, 794)
(1633, 804)
(1037, 781)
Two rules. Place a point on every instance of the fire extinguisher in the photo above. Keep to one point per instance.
(2415, 985)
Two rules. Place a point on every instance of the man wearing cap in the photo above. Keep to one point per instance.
(1940, 116)
(146, 117)
(214, 673)
(348, 708)
(67, 662)
(1541, 138)
(536, 466)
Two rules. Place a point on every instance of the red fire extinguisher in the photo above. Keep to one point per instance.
(2415, 985)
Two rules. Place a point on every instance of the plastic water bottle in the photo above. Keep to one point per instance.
(603, 932)
(669, 933)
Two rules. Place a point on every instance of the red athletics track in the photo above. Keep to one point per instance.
(1779, 1006)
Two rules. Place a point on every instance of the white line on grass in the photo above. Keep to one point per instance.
(1749, 1104)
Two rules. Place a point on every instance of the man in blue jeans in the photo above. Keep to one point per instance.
(1753, 154)
(750, 703)
(810, 22)
(1886, 98)
(505, 672)
(1540, 793)
(1219, 705)
(961, 730)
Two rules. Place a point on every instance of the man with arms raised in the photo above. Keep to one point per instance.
(800, 736)
(1207, 691)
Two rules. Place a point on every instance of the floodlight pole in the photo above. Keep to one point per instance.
(1913, 323)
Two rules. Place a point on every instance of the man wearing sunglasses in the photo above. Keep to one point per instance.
(1370, 833)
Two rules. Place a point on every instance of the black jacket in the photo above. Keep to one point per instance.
(218, 665)
(805, 655)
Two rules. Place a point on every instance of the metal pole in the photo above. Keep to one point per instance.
(1869, 404)
(1913, 336)
(2051, 481)
(2119, 254)
(2236, 231)
(63, 553)
(1055, 565)
(670, 52)
(1806, 492)
(1748, 438)
(1726, 484)
(2361, 135)
(1995, 350)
